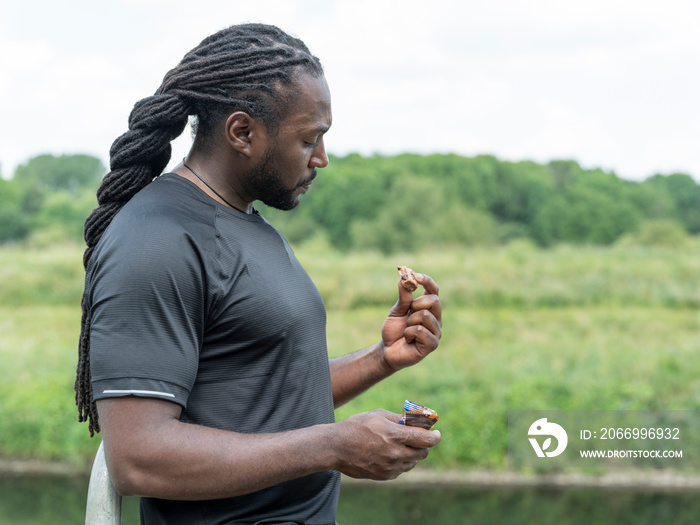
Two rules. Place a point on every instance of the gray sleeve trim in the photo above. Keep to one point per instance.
(138, 392)
(139, 387)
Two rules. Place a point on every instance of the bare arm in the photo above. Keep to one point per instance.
(150, 452)
(411, 331)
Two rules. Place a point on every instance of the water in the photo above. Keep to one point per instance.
(61, 501)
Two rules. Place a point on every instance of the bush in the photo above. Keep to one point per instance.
(415, 218)
(13, 222)
(663, 232)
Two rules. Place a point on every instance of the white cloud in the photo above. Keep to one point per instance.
(611, 83)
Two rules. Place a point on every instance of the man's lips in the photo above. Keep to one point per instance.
(306, 183)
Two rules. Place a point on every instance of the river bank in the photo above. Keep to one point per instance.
(614, 479)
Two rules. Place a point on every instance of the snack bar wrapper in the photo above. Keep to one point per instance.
(415, 415)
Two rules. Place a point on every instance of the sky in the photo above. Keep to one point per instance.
(612, 84)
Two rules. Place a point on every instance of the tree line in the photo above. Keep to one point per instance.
(399, 203)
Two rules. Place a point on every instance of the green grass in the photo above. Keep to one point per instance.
(569, 328)
(38, 352)
(49, 276)
(517, 276)
(492, 361)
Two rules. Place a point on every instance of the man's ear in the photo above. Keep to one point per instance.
(243, 132)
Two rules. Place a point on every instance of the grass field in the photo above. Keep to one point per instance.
(568, 328)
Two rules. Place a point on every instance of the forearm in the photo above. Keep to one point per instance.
(174, 460)
(150, 452)
(354, 373)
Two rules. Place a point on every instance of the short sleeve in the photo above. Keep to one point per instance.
(145, 291)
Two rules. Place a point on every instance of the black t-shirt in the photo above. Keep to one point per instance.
(196, 303)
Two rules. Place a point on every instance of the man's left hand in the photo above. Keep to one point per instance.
(414, 326)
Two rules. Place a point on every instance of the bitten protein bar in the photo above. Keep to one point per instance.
(415, 415)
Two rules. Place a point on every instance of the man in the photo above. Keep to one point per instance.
(203, 343)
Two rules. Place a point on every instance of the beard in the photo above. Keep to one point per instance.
(265, 179)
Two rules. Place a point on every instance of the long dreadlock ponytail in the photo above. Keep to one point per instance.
(237, 69)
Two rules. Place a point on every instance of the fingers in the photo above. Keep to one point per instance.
(429, 300)
(379, 448)
(427, 311)
(422, 439)
(411, 436)
(424, 340)
(391, 416)
(424, 326)
(429, 286)
(408, 465)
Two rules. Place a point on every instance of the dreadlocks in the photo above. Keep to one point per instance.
(237, 69)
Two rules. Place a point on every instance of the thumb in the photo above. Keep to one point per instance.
(403, 305)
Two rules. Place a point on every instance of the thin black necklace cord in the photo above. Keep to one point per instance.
(212, 189)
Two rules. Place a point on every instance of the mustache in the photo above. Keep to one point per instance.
(308, 179)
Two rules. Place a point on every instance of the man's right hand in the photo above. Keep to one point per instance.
(373, 445)
(150, 452)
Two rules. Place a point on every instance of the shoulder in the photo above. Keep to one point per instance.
(163, 214)
(165, 227)
(169, 201)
